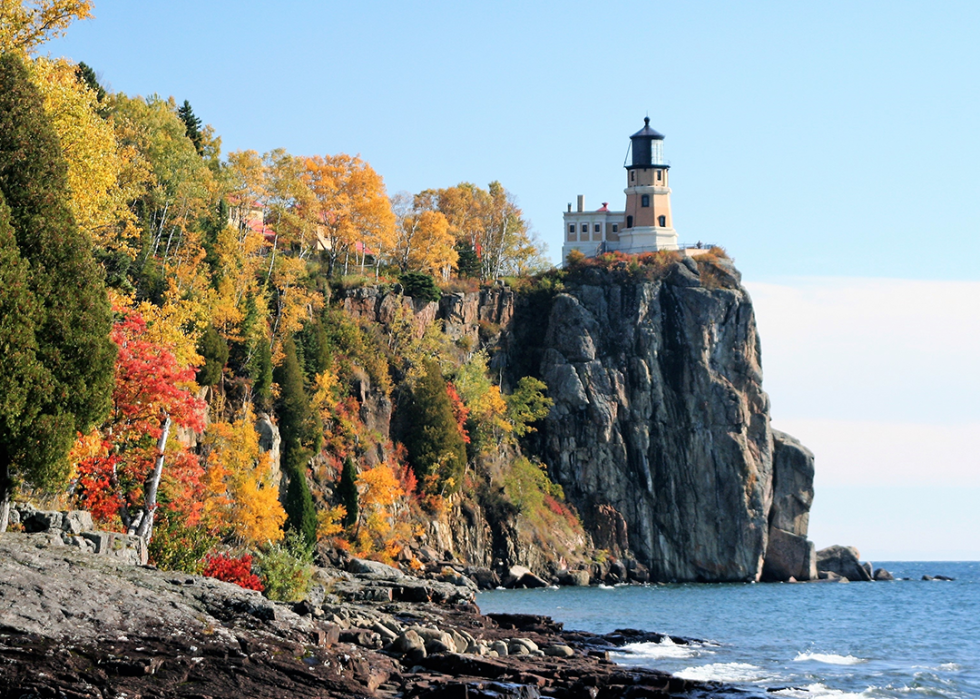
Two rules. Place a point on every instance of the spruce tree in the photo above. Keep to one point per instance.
(192, 124)
(64, 376)
(294, 413)
(347, 492)
(87, 76)
(434, 443)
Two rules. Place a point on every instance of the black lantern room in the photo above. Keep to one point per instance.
(647, 147)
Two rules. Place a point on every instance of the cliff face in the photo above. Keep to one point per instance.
(660, 430)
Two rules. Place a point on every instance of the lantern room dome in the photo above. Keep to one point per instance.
(647, 132)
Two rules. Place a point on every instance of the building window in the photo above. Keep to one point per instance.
(615, 228)
(629, 221)
(659, 173)
(632, 175)
(645, 200)
(663, 221)
(571, 227)
(598, 228)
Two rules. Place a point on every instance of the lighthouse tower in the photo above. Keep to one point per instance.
(648, 226)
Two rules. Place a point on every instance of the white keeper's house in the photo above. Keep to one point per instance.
(646, 224)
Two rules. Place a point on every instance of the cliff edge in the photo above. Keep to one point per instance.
(660, 433)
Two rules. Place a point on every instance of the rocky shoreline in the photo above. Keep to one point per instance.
(74, 624)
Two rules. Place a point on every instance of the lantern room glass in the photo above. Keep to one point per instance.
(657, 152)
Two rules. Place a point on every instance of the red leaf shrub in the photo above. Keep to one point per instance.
(233, 570)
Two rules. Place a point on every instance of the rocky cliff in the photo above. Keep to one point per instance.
(660, 431)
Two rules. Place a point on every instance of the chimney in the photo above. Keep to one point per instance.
(569, 208)
(581, 203)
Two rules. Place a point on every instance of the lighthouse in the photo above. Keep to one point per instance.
(646, 225)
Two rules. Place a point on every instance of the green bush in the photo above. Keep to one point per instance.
(433, 441)
(420, 286)
(285, 568)
(176, 546)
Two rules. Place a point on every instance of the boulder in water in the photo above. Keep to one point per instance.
(844, 561)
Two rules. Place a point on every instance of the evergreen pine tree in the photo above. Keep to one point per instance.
(347, 492)
(434, 443)
(87, 76)
(294, 413)
(468, 264)
(192, 124)
(63, 378)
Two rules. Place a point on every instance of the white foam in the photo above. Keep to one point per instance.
(828, 658)
(606, 587)
(724, 672)
(658, 651)
(816, 690)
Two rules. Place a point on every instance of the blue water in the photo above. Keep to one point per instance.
(897, 639)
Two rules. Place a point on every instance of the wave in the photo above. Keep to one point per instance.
(658, 651)
(812, 691)
(724, 672)
(828, 658)
(603, 586)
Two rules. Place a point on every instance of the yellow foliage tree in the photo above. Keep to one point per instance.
(380, 530)
(424, 242)
(242, 499)
(350, 208)
(103, 176)
(26, 25)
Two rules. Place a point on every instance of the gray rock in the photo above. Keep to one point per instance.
(409, 643)
(831, 576)
(77, 521)
(789, 556)
(659, 401)
(500, 648)
(574, 578)
(792, 484)
(375, 569)
(42, 521)
(559, 651)
(883, 575)
(844, 561)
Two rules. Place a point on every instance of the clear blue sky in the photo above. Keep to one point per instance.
(831, 147)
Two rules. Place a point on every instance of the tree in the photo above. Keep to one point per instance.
(192, 125)
(214, 349)
(64, 375)
(424, 242)
(294, 427)
(347, 492)
(351, 208)
(527, 404)
(87, 75)
(26, 25)
(153, 390)
(435, 445)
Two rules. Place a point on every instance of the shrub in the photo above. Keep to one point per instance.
(233, 570)
(419, 285)
(177, 546)
(285, 568)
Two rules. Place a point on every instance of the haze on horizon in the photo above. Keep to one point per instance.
(830, 149)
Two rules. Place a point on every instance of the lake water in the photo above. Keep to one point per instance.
(908, 639)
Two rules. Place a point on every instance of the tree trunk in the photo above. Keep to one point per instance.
(145, 528)
(5, 487)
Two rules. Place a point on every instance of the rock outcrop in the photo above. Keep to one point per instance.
(660, 421)
(844, 561)
(788, 553)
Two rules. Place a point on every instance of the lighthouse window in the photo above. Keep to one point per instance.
(659, 173)
(629, 221)
(662, 220)
(632, 176)
(645, 200)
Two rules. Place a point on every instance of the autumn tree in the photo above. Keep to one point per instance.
(527, 404)
(294, 426)
(64, 373)
(25, 24)
(123, 480)
(379, 492)
(424, 242)
(104, 176)
(351, 209)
